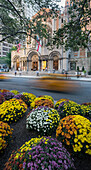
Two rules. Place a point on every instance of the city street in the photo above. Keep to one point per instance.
(21, 84)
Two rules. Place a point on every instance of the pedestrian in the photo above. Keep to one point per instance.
(37, 73)
(78, 74)
(15, 72)
(46, 69)
(20, 72)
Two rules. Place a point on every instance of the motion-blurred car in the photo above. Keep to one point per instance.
(2, 76)
(56, 83)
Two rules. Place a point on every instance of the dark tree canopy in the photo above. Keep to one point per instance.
(76, 32)
(14, 24)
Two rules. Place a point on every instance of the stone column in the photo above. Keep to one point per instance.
(51, 65)
(22, 65)
(15, 65)
(39, 64)
(59, 64)
(27, 64)
(12, 64)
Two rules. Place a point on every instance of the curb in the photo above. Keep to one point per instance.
(27, 76)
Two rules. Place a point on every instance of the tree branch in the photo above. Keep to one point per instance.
(15, 9)
(11, 35)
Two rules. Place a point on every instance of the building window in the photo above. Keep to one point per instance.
(4, 53)
(5, 49)
(5, 44)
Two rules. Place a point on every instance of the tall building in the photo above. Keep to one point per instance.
(5, 46)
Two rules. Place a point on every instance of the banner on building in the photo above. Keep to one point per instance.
(38, 44)
(18, 47)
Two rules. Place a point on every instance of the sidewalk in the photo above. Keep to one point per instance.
(34, 75)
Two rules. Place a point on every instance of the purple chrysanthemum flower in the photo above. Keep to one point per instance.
(18, 96)
(24, 163)
(8, 95)
(29, 164)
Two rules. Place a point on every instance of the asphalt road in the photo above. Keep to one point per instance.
(83, 93)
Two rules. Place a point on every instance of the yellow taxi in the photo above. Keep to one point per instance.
(2, 76)
(57, 82)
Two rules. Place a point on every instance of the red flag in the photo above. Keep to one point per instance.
(38, 45)
(18, 47)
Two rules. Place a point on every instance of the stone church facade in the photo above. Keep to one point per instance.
(30, 59)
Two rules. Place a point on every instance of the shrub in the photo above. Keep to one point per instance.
(46, 97)
(75, 131)
(59, 102)
(83, 68)
(15, 92)
(8, 95)
(47, 154)
(5, 135)
(4, 90)
(42, 102)
(77, 68)
(86, 104)
(87, 108)
(2, 99)
(70, 108)
(12, 110)
(28, 98)
(43, 119)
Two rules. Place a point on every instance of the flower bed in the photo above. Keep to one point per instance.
(5, 135)
(18, 160)
(59, 102)
(43, 119)
(42, 102)
(70, 108)
(28, 98)
(47, 154)
(12, 110)
(75, 131)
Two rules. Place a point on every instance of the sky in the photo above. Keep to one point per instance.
(62, 3)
